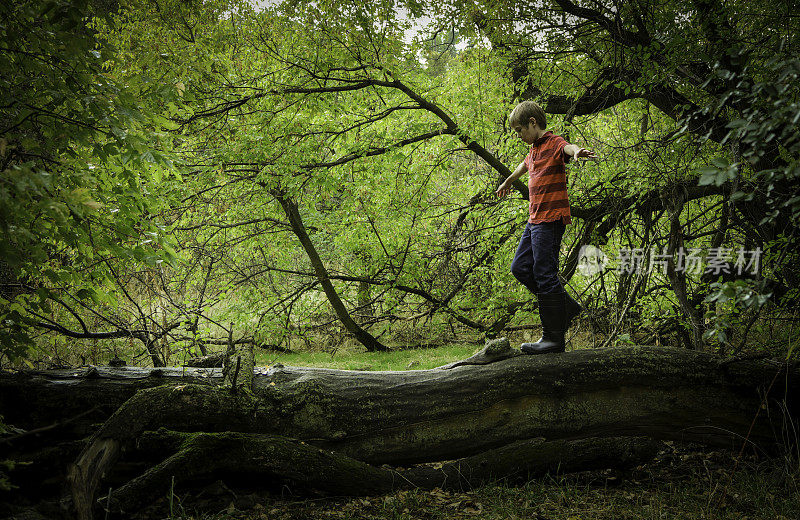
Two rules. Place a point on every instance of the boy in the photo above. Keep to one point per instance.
(535, 263)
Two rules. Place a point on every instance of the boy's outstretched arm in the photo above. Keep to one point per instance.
(506, 187)
(577, 152)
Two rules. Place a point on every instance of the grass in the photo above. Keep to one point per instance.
(357, 359)
(351, 356)
(346, 354)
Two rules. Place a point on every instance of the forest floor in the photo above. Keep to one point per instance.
(682, 482)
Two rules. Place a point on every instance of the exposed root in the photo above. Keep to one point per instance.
(281, 460)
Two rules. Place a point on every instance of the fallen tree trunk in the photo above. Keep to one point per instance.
(41, 398)
(494, 400)
(464, 412)
(209, 361)
(415, 416)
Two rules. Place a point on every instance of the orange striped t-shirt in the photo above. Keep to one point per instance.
(547, 181)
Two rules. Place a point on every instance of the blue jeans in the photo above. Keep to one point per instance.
(535, 263)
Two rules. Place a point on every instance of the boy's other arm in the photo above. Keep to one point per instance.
(506, 187)
(576, 151)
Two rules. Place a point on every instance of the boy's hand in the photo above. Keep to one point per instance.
(503, 190)
(583, 153)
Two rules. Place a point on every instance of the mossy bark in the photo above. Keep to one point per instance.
(467, 409)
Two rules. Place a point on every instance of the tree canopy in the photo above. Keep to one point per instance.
(180, 174)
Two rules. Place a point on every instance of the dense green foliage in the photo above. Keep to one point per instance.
(80, 166)
(162, 163)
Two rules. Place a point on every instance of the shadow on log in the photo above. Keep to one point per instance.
(496, 415)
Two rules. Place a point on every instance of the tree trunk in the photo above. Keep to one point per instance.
(462, 412)
(41, 398)
(206, 361)
(238, 365)
(299, 229)
(677, 274)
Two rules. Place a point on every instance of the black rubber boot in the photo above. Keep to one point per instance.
(573, 309)
(553, 312)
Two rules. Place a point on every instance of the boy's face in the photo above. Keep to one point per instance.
(528, 133)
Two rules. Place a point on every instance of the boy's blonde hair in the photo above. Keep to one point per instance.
(522, 114)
